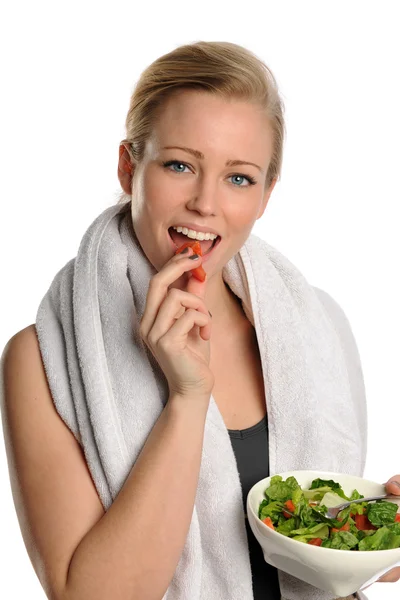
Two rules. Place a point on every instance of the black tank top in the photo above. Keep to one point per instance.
(251, 451)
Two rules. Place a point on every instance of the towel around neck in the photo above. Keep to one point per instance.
(110, 391)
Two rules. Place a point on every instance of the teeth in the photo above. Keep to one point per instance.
(194, 235)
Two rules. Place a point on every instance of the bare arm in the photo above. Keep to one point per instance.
(134, 549)
(79, 551)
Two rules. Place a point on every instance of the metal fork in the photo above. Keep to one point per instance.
(332, 513)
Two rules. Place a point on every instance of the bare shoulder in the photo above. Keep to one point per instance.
(25, 336)
(54, 496)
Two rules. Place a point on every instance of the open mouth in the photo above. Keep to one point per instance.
(179, 239)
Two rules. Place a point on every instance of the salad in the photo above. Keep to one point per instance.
(363, 526)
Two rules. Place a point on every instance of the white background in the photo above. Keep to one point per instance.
(68, 70)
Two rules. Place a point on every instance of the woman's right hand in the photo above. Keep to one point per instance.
(179, 339)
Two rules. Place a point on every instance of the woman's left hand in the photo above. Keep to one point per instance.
(392, 487)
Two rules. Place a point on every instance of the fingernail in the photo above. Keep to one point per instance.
(395, 483)
(210, 314)
(185, 250)
(194, 257)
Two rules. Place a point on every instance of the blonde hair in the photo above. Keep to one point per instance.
(220, 68)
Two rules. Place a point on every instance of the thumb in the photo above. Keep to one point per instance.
(393, 485)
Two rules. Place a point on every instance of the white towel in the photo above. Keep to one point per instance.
(110, 391)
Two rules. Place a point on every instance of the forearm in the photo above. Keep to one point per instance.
(133, 551)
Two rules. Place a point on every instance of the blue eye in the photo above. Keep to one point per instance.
(242, 177)
(174, 163)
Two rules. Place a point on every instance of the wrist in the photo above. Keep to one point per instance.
(191, 405)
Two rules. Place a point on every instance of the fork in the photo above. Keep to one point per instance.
(332, 512)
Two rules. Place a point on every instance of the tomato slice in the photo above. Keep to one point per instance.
(363, 523)
(195, 244)
(315, 542)
(197, 272)
(397, 518)
(268, 522)
(346, 527)
(290, 506)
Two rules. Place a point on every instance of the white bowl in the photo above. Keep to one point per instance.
(342, 572)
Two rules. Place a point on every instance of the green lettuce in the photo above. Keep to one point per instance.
(341, 540)
(272, 510)
(382, 539)
(381, 513)
(281, 491)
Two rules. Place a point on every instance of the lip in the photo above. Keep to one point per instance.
(196, 228)
(205, 257)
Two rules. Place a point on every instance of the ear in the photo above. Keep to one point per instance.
(266, 197)
(125, 169)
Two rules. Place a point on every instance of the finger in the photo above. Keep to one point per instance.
(192, 284)
(393, 485)
(196, 287)
(158, 288)
(176, 337)
(391, 576)
(173, 307)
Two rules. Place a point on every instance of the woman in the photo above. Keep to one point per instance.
(116, 497)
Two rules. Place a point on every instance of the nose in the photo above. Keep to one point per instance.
(204, 196)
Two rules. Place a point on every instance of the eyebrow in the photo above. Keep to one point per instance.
(200, 155)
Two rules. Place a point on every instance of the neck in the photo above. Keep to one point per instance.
(224, 306)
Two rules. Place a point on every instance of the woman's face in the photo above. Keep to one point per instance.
(200, 187)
